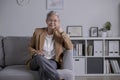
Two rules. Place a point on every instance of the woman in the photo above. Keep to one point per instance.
(46, 48)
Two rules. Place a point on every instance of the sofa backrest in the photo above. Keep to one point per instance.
(1, 52)
(16, 50)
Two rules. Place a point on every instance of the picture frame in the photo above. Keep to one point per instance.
(23, 2)
(94, 32)
(74, 31)
(54, 4)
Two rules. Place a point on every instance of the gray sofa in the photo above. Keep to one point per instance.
(13, 56)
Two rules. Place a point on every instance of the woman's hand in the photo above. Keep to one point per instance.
(59, 29)
(39, 52)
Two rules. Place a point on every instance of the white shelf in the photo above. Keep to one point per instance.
(112, 56)
(95, 56)
(95, 38)
(79, 56)
(83, 75)
(95, 60)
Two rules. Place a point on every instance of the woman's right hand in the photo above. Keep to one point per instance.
(39, 52)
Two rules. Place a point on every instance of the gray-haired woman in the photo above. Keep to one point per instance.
(46, 48)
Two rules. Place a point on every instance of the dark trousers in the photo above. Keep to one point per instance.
(47, 68)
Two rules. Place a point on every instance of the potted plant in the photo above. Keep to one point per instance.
(106, 28)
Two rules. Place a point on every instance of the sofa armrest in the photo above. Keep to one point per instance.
(68, 59)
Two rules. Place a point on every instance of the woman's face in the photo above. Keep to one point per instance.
(53, 21)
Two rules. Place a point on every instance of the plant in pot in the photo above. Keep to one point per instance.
(105, 29)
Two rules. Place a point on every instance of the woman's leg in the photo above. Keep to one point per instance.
(47, 68)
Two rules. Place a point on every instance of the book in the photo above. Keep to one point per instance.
(90, 50)
(98, 48)
(80, 49)
(115, 66)
(113, 48)
(107, 67)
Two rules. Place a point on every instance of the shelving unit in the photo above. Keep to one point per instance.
(99, 56)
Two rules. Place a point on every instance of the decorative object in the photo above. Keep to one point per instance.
(105, 29)
(104, 34)
(54, 4)
(22, 2)
(94, 32)
(74, 31)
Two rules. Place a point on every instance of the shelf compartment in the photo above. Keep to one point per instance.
(79, 66)
(112, 48)
(112, 65)
(78, 48)
(95, 66)
(95, 48)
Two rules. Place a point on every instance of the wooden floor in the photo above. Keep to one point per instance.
(98, 78)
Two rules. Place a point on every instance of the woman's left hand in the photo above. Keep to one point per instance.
(59, 29)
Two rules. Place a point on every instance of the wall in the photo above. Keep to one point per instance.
(22, 20)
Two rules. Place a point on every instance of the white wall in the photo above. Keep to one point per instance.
(21, 21)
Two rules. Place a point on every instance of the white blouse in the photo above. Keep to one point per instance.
(49, 51)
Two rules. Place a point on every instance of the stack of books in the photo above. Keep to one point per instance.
(112, 66)
(77, 49)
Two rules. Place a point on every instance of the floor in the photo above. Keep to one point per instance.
(98, 78)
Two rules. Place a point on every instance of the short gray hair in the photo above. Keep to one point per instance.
(52, 13)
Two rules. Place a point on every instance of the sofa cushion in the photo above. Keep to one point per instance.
(18, 72)
(1, 52)
(16, 50)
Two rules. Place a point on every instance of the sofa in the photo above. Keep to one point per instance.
(14, 54)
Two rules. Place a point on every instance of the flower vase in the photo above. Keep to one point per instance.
(104, 34)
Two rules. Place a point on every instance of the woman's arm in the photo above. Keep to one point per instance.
(67, 44)
(32, 45)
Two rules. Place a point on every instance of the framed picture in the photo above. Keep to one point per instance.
(54, 4)
(23, 2)
(94, 32)
(74, 31)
